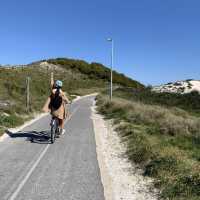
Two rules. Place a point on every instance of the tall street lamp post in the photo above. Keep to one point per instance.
(111, 67)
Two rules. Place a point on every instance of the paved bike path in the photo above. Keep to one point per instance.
(30, 168)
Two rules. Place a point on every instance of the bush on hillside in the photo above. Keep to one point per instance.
(96, 70)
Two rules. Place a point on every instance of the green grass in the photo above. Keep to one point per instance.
(2, 130)
(165, 142)
(12, 120)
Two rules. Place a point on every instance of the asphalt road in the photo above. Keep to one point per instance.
(33, 169)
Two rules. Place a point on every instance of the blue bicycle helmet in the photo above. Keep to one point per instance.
(59, 84)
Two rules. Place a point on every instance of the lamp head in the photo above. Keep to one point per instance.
(109, 39)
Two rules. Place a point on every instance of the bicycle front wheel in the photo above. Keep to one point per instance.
(53, 133)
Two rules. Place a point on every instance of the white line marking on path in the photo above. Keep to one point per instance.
(14, 195)
(20, 186)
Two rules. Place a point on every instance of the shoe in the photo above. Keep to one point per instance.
(63, 132)
(57, 135)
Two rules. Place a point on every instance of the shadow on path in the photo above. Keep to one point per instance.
(42, 137)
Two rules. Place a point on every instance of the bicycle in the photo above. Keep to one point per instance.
(54, 129)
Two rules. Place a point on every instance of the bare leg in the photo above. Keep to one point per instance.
(61, 123)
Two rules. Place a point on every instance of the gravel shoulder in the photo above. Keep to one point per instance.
(121, 179)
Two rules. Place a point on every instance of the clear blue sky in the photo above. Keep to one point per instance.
(156, 41)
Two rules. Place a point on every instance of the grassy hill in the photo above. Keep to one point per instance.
(79, 77)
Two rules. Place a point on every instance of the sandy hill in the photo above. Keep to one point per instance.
(182, 87)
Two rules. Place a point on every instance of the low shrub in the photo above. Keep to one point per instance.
(164, 142)
(10, 121)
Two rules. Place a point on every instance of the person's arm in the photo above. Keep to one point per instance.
(52, 80)
(66, 100)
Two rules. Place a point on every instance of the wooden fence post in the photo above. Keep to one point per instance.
(28, 94)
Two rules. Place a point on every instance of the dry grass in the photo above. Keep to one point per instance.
(164, 142)
(168, 121)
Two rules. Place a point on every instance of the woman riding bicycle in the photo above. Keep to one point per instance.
(56, 103)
